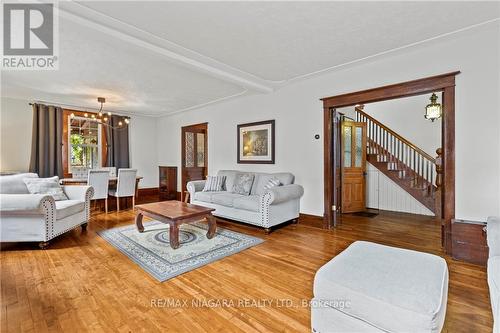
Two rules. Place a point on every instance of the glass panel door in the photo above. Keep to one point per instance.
(353, 166)
(189, 149)
(358, 158)
(347, 146)
(200, 149)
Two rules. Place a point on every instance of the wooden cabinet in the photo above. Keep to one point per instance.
(469, 241)
(168, 183)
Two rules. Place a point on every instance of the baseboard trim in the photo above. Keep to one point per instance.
(311, 220)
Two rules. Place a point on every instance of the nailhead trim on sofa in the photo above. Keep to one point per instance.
(265, 202)
(49, 205)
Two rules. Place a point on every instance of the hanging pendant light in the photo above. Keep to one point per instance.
(101, 100)
(103, 119)
(433, 110)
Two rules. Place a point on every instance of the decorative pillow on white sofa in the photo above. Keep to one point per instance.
(214, 183)
(273, 182)
(243, 183)
(49, 186)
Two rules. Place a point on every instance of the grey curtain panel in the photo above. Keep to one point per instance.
(46, 141)
(118, 147)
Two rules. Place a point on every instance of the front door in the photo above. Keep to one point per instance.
(194, 154)
(353, 166)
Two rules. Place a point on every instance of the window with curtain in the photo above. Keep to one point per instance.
(84, 142)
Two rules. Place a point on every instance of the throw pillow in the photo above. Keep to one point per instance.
(48, 186)
(214, 183)
(273, 182)
(243, 183)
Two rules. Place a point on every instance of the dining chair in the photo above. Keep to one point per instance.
(99, 180)
(111, 170)
(80, 172)
(125, 186)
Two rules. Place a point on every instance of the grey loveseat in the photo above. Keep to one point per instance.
(264, 208)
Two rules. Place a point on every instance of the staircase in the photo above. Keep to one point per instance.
(407, 165)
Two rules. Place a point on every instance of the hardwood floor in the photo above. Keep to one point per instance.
(82, 283)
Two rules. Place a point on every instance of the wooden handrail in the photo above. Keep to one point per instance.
(399, 137)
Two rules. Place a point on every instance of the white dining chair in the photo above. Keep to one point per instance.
(80, 172)
(125, 186)
(111, 170)
(99, 180)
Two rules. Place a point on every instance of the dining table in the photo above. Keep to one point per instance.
(112, 182)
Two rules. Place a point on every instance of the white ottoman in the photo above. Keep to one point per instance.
(376, 288)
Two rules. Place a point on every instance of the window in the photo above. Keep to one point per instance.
(84, 142)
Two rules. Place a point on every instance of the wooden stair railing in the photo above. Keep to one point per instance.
(403, 157)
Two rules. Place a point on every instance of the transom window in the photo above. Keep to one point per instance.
(84, 141)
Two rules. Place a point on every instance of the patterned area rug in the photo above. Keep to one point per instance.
(151, 249)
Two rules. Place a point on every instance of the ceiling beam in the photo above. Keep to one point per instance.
(175, 53)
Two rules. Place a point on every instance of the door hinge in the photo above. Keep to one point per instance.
(334, 208)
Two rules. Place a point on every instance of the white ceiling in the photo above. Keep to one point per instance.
(131, 79)
(157, 58)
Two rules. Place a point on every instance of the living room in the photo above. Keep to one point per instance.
(286, 69)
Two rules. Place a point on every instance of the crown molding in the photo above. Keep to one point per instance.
(378, 55)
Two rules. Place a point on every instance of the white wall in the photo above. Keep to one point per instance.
(15, 145)
(298, 114)
(15, 134)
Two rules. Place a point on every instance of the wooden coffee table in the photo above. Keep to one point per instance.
(175, 213)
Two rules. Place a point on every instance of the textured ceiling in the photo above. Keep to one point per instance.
(278, 41)
(132, 79)
(157, 58)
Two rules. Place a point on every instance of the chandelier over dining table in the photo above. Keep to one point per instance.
(104, 118)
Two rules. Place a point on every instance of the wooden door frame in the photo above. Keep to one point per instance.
(184, 129)
(444, 83)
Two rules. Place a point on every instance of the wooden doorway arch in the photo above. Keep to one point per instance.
(444, 83)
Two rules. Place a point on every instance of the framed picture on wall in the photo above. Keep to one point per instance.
(256, 142)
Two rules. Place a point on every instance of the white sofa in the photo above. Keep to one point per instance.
(26, 217)
(375, 288)
(493, 236)
(264, 208)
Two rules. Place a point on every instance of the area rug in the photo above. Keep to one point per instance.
(151, 249)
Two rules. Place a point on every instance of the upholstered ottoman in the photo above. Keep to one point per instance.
(376, 288)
